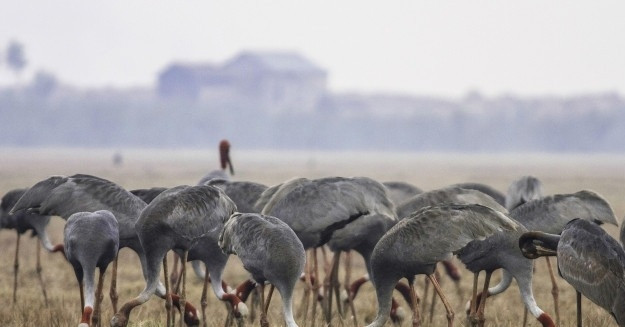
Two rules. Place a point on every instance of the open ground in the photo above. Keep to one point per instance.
(563, 173)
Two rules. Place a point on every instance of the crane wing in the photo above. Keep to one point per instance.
(551, 213)
(435, 233)
(593, 262)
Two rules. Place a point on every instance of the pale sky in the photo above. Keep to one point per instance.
(443, 48)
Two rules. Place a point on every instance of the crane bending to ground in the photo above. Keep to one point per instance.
(270, 251)
(91, 241)
(589, 259)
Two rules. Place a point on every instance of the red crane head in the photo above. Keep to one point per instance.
(224, 155)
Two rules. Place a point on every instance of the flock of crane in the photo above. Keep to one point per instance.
(399, 230)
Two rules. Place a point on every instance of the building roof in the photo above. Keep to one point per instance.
(287, 62)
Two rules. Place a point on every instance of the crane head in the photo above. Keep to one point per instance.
(538, 244)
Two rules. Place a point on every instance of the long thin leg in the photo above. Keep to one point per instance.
(168, 299)
(203, 301)
(437, 275)
(113, 288)
(263, 315)
(473, 310)
(327, 290)
(336, 286)
(416, 319)
(38, 268)
(174, 277)
(303, 311)
(450, 311)
(16, 268)
(266, 308)
(183, 294)
(480, 309)
(348, 273)
(95, 318)
(426, 290)
(554, 291)
(315, 287)
(579, 309)
(525, 311)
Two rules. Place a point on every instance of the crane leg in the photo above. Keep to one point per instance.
(16, 267)
(426, 290)
(336, 285)
(39, 276)
(303, 309)
(315, 289)
(348, 273)
(579, 309)
(168, 299)
(473, 309)
(95, 318)
(554, 291)
(266, 308)
(480, 309)
(263, 314)
(203, 301)
(183, 294)
(525, 316)
(113, 289)
(330, 283)
(416, 319)
(437, 276)
(174, 277)
(450, 311)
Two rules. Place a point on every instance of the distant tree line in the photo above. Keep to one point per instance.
(45, 113)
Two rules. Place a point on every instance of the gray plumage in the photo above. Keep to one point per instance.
(180, 218)
(594, 264)
(91, 240)
(220, 175)
(23, 221)
(551, 213)
(451, 194)
(590, 260)
(148, 194)
(316, 209)
(364, 233)
(486, 189)
(63, 196)
(522, 190)
(269, 250)
(430, 235)
(399, 192)
(275, 193)
(244, 194)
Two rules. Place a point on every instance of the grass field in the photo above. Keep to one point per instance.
(604, 174)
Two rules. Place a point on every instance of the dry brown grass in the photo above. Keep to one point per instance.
(20, 168)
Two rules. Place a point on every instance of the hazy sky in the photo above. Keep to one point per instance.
(435, 47)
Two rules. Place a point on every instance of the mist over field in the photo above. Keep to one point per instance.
(278, 112)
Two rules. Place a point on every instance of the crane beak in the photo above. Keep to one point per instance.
(538, 244)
